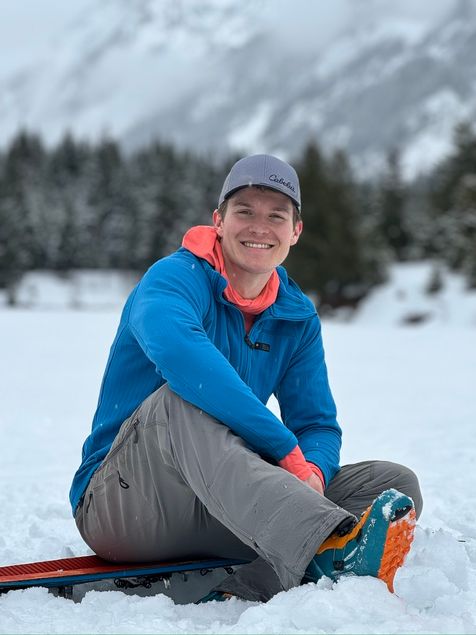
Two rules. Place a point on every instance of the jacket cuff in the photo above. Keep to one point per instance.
(296, 464)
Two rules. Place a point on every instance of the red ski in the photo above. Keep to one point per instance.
(64, 573)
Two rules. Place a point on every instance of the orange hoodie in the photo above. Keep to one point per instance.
(203, 242)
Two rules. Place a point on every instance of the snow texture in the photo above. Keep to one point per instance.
(407, 298)
(405, 393)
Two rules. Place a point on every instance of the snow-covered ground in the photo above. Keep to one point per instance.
(419, 293)
(405, 393)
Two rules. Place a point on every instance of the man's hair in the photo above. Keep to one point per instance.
(296, 212)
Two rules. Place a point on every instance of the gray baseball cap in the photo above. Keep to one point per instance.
(263, 170)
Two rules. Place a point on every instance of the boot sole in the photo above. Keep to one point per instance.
(397, 545)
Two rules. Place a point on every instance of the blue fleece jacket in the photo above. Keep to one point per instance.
(176, 327)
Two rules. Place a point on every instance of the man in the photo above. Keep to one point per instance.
(185, 460)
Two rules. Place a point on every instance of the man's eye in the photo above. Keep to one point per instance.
(277, 217)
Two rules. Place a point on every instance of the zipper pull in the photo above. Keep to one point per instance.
(122, 482)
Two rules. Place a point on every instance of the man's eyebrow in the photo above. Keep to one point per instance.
(238, 201)
(277, 208)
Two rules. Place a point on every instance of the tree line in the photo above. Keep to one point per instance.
(80, 205)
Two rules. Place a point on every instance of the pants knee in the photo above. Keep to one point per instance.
(159, 404)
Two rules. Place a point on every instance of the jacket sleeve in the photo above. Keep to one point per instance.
(306, 403)
(166, 318)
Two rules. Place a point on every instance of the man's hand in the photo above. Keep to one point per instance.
(307, 472)
(315, 482)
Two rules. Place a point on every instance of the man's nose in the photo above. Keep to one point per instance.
(258, 226)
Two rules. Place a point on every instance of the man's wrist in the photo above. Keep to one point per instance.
(318, 472)
(296, 464)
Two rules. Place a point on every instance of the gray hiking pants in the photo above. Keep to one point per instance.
(178, 484)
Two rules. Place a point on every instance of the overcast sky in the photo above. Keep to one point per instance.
(28, 26)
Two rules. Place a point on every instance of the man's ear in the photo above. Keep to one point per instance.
(218, 223)
(296, 232)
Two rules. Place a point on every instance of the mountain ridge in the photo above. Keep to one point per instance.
(216, 77)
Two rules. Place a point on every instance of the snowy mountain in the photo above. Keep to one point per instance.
(215, 75)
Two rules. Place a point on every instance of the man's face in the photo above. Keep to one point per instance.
(257, 231)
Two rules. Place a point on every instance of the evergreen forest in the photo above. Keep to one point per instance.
(79, 205)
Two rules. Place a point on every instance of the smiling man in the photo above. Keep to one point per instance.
(256, 235)
(185, 460)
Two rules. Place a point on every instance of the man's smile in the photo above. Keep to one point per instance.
(253, 245)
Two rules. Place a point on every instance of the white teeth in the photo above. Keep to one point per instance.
(257, 245)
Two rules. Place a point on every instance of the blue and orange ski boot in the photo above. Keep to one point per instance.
(377, 545)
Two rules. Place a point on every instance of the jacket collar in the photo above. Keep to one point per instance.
(291, 303)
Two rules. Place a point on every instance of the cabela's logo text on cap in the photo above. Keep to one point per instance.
(279, 179)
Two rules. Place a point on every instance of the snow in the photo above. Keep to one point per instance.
(81, 66)
(246, 135)
(153, 48)
(433, 123)
(406, 297)
(404, 392)
(365, 32)
(98, 289)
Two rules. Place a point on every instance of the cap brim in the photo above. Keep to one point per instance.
(265, 185)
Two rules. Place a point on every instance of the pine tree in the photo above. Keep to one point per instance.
(392, 201)
(375, 252)
(461, 225)
(447, 175)
(110, 212)
(453, 206)
(22, 239)
(330, 257)
(306, 260)
(173, 190)
(155, 182)
(67, 183)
